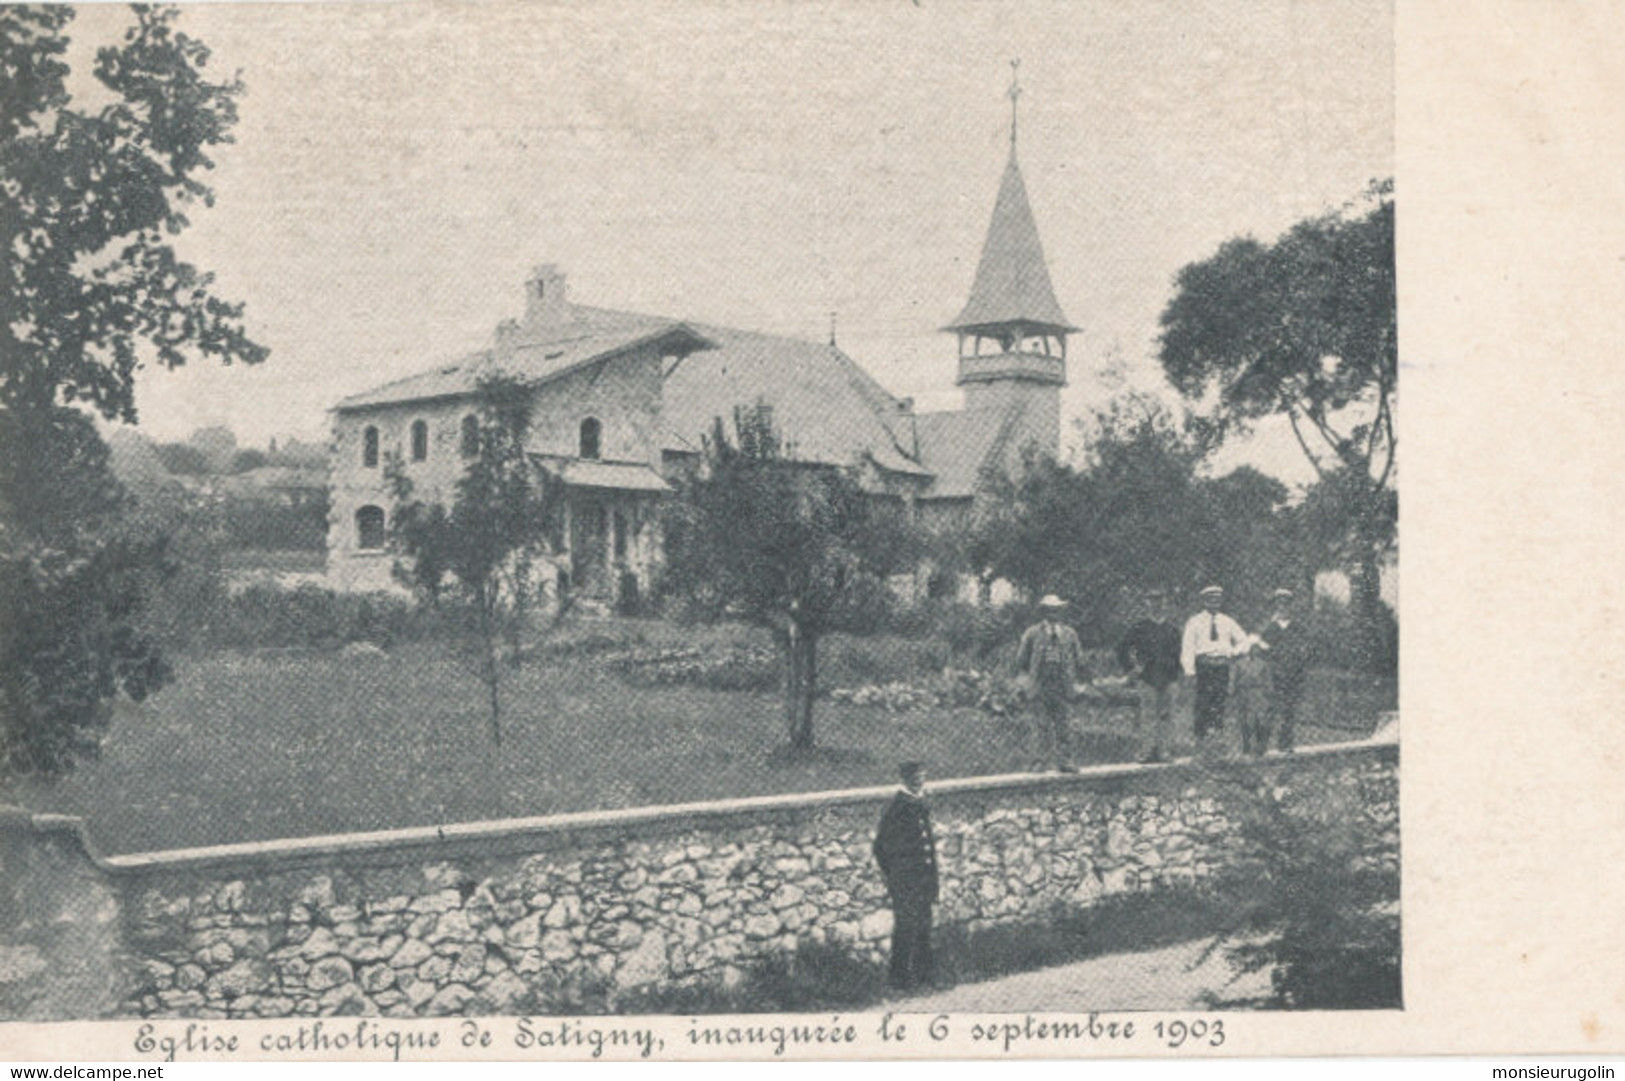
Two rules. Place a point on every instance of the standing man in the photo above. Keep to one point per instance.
(1289, 667)
(907, 854)
(1211, 640)
(1050, 658)
(1150, 653)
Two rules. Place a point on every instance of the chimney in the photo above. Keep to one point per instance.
(507, 331)
(545, 295)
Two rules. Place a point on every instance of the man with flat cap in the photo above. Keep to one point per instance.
(1049, 659)
(1288, 655)
(907, 854)
(1210, 642)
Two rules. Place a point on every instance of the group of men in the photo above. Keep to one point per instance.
(1262, 674)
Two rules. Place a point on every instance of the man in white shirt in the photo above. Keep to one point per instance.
(1211, 640)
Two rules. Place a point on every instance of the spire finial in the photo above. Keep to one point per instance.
(832, 328)
(1014, 94)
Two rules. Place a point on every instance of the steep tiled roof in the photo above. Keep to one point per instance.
(1012, 280)
(447, 380)
(958, 448)
(824, 405)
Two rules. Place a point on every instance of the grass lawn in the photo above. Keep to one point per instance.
(268, 744)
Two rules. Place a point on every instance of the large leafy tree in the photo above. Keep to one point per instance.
(92, 288)
(1134, 515)
(1305, 328)
(800, 549)
(506, 512)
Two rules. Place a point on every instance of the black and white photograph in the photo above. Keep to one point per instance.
(558, 513)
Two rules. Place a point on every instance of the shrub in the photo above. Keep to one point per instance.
(312, 617)
(1323, 918)
(748, 668)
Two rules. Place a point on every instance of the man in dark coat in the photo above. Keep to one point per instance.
(1150, 653)
(907, 854)
(1288, 655)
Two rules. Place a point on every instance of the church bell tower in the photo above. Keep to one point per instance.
(1012, 333)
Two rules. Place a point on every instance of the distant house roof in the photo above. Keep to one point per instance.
(286, 477)
(535, 357)
(961, 448)
(1012, 280)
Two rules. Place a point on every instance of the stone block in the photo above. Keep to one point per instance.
(246, 977)
(321, 943)
(435, 970)
(412, 953)
(558, 945)
(470, 964)
(450, 1001)
(418, 992)
(454, 926)
(565, 911)
(375, 978)
(761, 925)
(645, 964)
(679, 874)
(441, 901)
(318, 893)
(329, 972)
(876, 925)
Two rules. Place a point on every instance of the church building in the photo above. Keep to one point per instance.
(623, 401)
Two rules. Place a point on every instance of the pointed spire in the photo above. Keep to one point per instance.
(1012, 279)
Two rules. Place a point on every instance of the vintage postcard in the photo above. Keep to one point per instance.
(707, 531)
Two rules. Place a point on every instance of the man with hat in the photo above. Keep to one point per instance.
(1288, 644)
(907, 854)
(1150, 653)
(1211, 639)
(1049, 659)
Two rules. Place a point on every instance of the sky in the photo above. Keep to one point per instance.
(399, 168)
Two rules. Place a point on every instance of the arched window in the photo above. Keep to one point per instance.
(369, 527)
(591, 432)
(420, 440)
(471, 436)
(369, 447)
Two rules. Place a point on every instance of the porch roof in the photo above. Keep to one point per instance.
(619, 476)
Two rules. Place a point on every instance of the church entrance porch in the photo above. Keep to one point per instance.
(610, 530)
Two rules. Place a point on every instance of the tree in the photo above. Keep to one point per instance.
(1133, 516)
(505, 513)
(1305, 328)
(248, 459)
(91, 288)
(71, 593)
(795, 547)
(182, 459)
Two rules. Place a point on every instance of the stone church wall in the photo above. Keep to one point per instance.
(529, 916)
(623, 393)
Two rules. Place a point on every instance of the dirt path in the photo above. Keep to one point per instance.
(1163, 979)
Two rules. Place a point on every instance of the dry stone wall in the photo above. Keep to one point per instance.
(541, 915)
